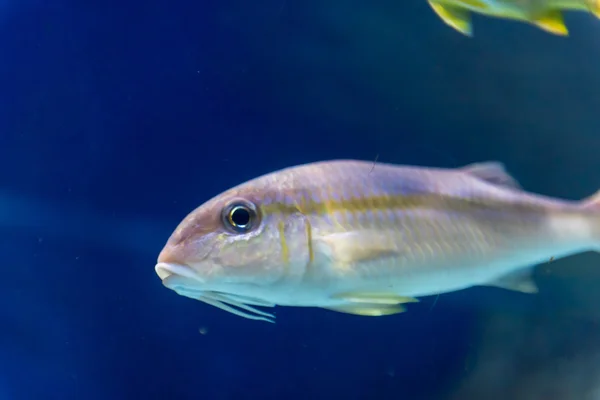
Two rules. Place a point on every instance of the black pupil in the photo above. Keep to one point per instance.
(240, 217)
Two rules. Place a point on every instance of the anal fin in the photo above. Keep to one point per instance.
(457, 18)
(521, 281)
(553, 22)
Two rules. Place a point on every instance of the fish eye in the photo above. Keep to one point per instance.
(239, 216)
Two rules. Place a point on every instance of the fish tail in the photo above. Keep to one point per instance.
(592, 203)
(591, 208)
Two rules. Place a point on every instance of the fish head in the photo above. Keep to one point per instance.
(246, 246)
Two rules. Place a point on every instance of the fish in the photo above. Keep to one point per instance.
(369, 238)
(545, 14)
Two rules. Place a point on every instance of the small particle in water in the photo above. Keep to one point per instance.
(391, 371)
(203, 330)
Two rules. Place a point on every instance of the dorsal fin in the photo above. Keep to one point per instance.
(493, 172)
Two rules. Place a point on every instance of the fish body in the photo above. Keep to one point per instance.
(366, 238)
(545, 14)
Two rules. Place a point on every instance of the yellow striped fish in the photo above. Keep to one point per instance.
(545, 14)
(365, 238)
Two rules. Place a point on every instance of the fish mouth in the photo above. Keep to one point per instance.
(167, 270)
(180, 278)
(185, 282)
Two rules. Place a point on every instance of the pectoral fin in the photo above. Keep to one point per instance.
(521, 281)
(553, 22)
(457, 18)
(354, 247)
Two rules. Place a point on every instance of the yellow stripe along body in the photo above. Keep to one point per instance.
(427, 218)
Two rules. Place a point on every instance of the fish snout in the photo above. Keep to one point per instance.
(172, 262)
(172, 254)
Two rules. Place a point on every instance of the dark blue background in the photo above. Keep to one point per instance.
(118, 118)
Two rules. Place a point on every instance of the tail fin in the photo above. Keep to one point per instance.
(591, 206)
(592, 203)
